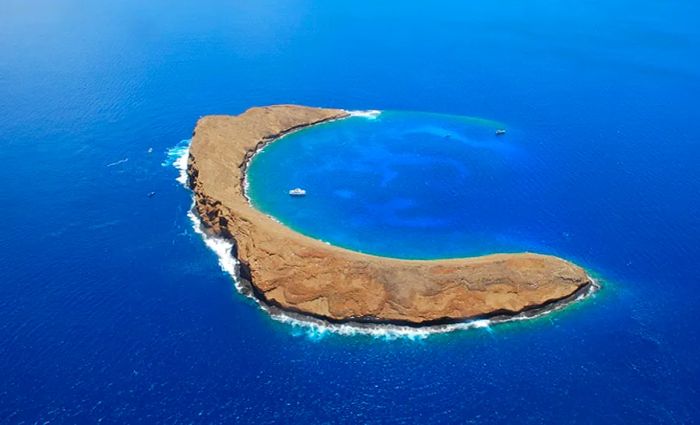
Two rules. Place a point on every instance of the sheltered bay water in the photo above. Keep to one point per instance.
(304, 275)
(411, 185)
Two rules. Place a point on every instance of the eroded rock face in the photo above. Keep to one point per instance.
(297, 273)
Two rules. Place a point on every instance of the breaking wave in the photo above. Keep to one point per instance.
(369, 114)
(177, 157)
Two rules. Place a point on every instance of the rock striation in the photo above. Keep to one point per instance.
(295, 273)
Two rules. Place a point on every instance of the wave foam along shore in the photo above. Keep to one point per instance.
(369, 114)
(177, 157)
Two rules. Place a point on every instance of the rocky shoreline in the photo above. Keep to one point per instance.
(293, 273)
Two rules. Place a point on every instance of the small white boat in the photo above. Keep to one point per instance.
(500, 132)
(297, 192)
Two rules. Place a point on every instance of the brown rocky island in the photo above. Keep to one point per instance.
(295, 273)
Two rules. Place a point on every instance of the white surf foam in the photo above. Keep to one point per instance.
(221, 247)
(177, 157)
(316, 329)
(369, 114)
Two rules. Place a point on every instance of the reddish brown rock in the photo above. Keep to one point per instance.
(300, 274)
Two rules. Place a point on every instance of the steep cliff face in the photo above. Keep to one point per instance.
(300, 274)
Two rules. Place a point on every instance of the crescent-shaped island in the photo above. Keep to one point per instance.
(298, 274)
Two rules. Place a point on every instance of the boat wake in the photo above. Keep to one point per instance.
(313, 328)
(115, 163)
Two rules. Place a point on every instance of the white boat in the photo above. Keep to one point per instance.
(500, 132)
(297, 192)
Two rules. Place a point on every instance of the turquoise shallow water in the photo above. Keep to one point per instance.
(113, 309)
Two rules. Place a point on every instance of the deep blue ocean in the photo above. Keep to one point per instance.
(113, 309)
